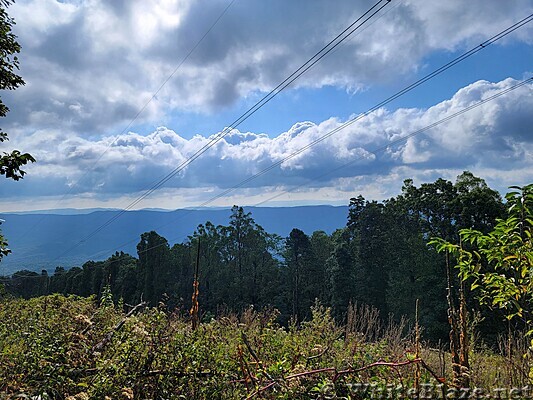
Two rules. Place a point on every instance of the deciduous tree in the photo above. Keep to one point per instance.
(10, 163)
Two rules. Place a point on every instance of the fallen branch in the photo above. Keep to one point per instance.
(101, 345)
(337, 374)
(254, 355)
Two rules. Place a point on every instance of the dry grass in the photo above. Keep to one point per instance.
(158, 355)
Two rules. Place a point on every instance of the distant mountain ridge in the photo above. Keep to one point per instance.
(40, 240)
(64, 211)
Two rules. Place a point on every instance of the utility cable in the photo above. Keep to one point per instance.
(388, 100)
(402, 139)
(357, 24)
(374, 151)
(137, 115)
(405, 90)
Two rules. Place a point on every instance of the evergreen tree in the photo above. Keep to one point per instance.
(154, 271)
(341, 269)
(297, 262)
(318, 283)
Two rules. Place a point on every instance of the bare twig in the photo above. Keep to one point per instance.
(337, 374)
(310, 358)
(254, 355)
(101, 345)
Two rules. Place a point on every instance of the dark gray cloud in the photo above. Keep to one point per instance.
(90, 66)
(64, 46)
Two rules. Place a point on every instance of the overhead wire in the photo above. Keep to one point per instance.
(408, 88)
(138, 114)
(376, 107)
(402, 138)
(374, 151)
(405, 90)
(319, 55)
(306, 66)
(394, 142)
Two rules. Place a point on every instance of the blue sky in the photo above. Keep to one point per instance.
(312, 104)
(90, 66)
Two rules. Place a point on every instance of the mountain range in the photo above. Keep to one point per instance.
(47, 239)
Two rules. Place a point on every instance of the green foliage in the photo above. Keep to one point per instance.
(380, 258)
(500, 263)
(107, 297)
(51, 347)
(154, 266)
(9, 62)
(47, 347)
(298, 256)
(435, 209)
(341, 272)
(238, 265)
(4, 249)
(10, 163)
(59, 347)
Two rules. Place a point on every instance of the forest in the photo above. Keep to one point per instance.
(424, 295)
(380, 258)
(428, 294)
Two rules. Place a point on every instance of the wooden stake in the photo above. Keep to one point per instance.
(195, 292)
(417, 351)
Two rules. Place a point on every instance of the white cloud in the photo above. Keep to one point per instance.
(91, 65)
(495, 139)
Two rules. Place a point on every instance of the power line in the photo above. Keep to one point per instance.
(408, 88)
(374, 151)
(388, 100)
(399, 140)
(404, 138)
(137, 115)
(347, 32)
(398, 94)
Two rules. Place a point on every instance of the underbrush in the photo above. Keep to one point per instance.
(60, 347)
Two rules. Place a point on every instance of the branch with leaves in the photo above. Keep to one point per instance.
(499, 264)
(10, 163)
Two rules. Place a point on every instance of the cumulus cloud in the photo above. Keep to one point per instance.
(91, 65)
(495, 140)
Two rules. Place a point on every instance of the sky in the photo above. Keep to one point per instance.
(120, 93)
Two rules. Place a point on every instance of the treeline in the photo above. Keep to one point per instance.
(381, 258)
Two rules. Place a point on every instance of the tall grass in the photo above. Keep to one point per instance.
(52, 346)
